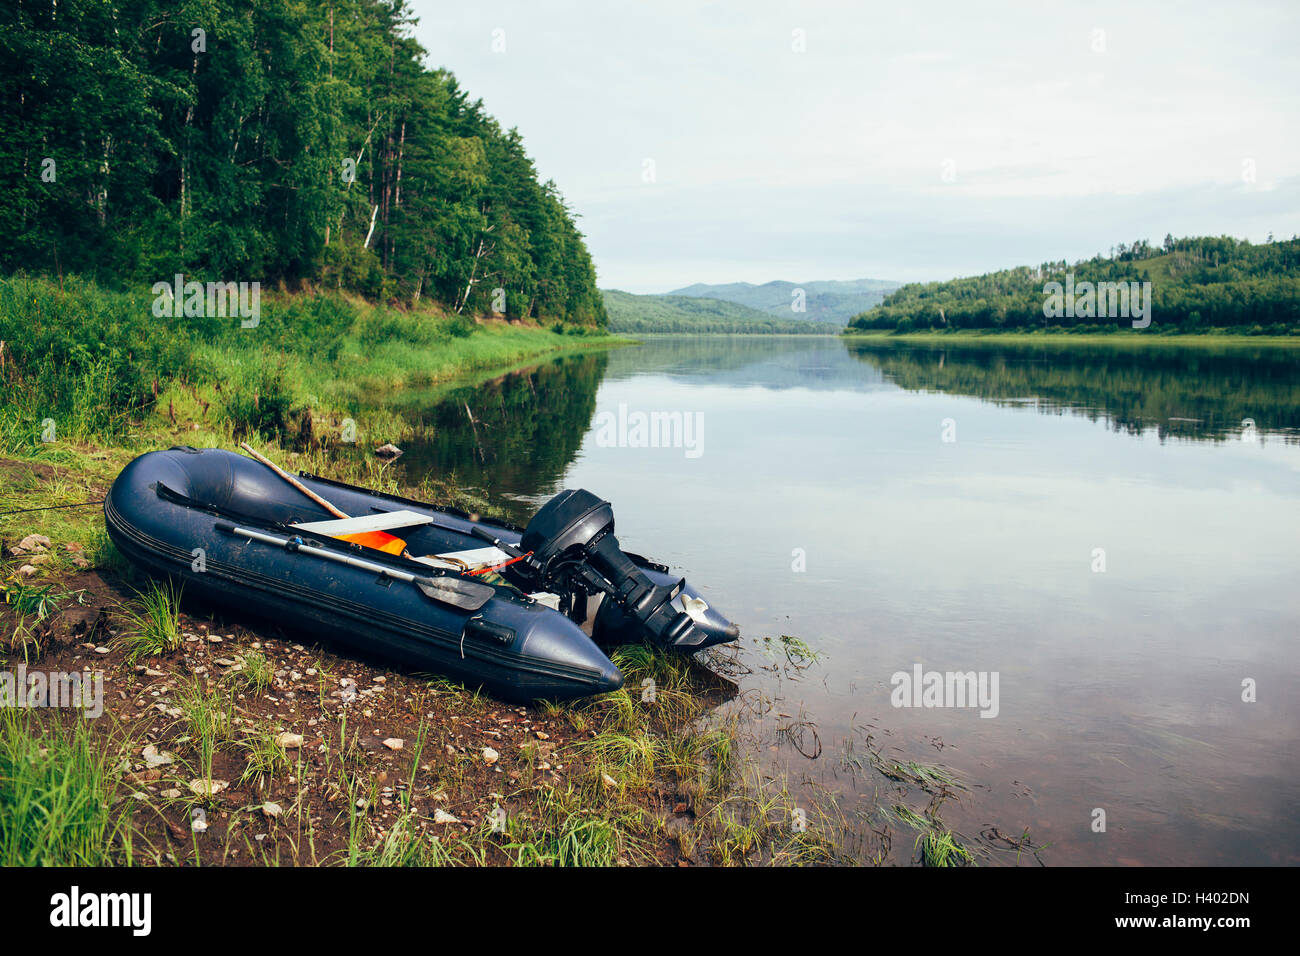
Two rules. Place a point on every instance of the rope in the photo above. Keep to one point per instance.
(23, 511)
(498, 567)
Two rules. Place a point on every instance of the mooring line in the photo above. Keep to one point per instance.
(23, 511)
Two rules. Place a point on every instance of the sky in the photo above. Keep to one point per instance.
(777, 139)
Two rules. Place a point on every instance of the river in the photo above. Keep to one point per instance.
(1107, 531)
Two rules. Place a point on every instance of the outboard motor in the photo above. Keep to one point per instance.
(574, 551)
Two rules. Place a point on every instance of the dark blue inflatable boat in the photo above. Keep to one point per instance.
(484, 602)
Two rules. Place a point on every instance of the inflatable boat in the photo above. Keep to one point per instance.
(525, 613)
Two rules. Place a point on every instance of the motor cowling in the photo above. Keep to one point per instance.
(574, 550)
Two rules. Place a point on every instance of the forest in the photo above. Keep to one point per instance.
(1197, 285)
(680, 314)
(298, 145)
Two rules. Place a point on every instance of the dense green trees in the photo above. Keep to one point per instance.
(276, 141)
(689, 314)
(1196, 284)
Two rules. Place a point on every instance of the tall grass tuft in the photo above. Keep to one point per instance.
(152, 621)
(55, 796)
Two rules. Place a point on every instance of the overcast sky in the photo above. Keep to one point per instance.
(905, 141)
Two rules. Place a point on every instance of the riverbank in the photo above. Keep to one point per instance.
(86, 363)
(1134, 338)
(221, 741)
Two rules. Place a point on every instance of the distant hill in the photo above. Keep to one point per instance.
(824, 301)
(675, 313)
(1184, 285)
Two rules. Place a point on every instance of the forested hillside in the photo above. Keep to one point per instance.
(1196, 284)
(827, 300)
(272, 142)
(679, 313)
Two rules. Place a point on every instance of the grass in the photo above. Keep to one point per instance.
(152, 622)
(55, 796)
(940, 848)
(33, 605)
(208, 718)
(571, 833)
(264, 757)
(256, 673)
(404, 845)
(794, 650)
(98, 365)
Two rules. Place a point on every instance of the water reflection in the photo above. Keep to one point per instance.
(1213, 392)
(512, 434)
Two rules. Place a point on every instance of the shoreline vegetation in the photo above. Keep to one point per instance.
(1135, 337)
(91, 364)
(1218, 286)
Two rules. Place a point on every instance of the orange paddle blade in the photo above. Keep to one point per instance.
(379, 540)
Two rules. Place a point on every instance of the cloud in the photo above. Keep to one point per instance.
(904, 142)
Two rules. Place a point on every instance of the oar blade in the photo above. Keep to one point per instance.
(466, 595)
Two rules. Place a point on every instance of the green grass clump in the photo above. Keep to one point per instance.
(256, 673)
(152, 622)
(207, 716)
(55, 796)
(264, 756)
(940, 848)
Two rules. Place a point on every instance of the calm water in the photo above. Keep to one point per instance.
(894, 505)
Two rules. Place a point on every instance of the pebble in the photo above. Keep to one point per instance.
(442, 816)
(394, 743)
(490, 756)
(289, 741)
(155, 757)
(207, 788)
(32, 544)
(271, 810)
